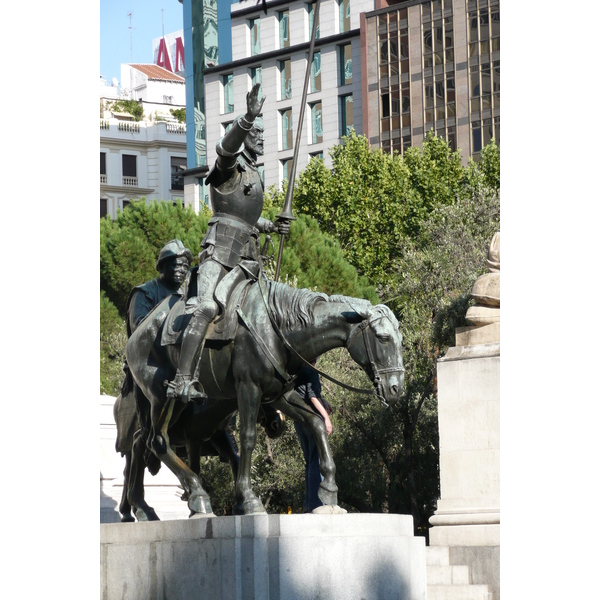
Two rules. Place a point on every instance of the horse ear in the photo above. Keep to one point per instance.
(351, 316)
(361, 312)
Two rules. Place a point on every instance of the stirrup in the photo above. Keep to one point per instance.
(185, 389)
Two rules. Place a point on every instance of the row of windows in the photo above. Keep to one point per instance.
(129, 170)
(285, 76)
(283, 20)
(346, 123)
(346, 108)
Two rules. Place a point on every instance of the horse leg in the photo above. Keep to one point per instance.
(135, 482)
(297, 410)
(221, 442)
(124, 506)
(248, 404)
(198, 500)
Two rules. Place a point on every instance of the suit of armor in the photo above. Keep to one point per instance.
(236, 191)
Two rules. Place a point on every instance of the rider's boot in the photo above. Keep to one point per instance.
(183, 386)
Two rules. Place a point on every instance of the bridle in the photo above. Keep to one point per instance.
(377, 381)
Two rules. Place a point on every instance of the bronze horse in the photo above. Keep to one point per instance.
(279, 328)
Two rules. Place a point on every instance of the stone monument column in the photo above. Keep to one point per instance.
(467, 518)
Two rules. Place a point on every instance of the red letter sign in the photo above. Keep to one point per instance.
(179, 55)
(163, 59)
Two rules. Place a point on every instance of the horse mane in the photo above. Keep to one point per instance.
(293, 306)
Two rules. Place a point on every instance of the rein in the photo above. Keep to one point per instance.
(361, 327)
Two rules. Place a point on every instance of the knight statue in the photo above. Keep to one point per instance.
(232, 239)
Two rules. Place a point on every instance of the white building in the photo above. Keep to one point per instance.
(272, 49)
(142, 158)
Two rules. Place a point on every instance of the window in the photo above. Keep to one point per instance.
(178, 166)
(311, 11)
(256, 76)
(347, 114)
(316, 155)
(345, 64)
(315, 73)
(285, 76)
(286, 129)
(227, 83)
(316, 112)
(344, 9)
(129, 163)
(476, 140)
(254, 25)
(102, 167)
(284, 28)
(286, 167)
(103, 207)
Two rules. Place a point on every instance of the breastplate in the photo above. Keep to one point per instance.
(241, 196)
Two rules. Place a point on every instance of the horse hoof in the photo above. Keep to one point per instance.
(194, 515)
(127, 519)
(254, 507)
(200, 504)
(146, 515)
(326, 496)
(329, 509)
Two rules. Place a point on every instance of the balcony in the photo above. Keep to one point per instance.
(130, 181)
(142, 131)
(103, 178)
(129, 126)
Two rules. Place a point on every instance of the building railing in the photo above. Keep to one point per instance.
(176, 128)
(103, 178)
(129, 126)
(130, 181)
(144, 126)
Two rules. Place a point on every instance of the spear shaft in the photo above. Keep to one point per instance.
(286, 214)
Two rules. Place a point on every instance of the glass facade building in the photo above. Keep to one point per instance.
(433, 65)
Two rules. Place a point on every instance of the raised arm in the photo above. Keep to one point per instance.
(232, 141)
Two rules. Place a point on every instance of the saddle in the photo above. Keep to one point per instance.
(229, 295)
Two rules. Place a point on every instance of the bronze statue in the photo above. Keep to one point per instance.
(173, 265)
(236, 190)
(278, 327)
(246, 340)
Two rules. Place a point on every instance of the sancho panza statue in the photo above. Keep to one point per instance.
(236, 192)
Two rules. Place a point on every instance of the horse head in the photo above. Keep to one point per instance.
(376, 345)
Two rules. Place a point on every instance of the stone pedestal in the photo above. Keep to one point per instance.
(467, 518)
(277, 557)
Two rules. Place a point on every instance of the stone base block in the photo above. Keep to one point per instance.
(291, 557)
(465, 535)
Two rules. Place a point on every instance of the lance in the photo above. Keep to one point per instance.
(286, 214)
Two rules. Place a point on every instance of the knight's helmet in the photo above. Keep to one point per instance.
(173, 249)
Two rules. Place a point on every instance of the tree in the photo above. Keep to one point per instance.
(179, 114)
(418, 227)
(130, 244)
(113, 336)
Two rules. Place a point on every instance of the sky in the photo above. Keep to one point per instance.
(117, 39)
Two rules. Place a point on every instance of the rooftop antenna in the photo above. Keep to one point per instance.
(130, 14)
